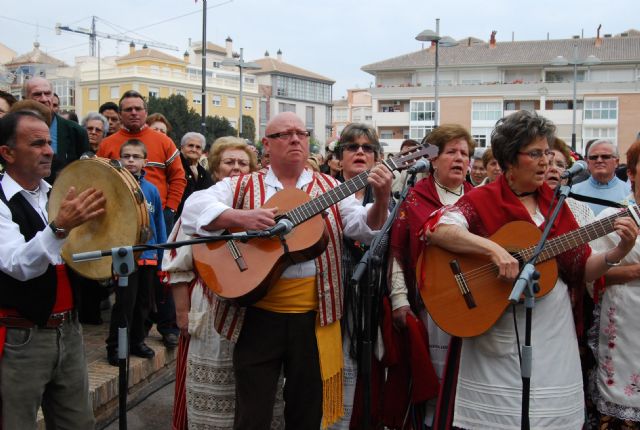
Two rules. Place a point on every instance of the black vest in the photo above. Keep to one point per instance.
(33, 299)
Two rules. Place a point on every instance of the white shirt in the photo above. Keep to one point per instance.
(203, 207)
(20, 259)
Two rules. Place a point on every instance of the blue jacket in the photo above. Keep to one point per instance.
(156, 219)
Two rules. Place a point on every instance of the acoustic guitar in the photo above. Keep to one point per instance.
(462, 292)
(244, 272)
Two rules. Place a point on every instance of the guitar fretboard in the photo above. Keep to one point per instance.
(311, 208)
(575, 238)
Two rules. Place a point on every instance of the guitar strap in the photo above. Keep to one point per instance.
(597, 201)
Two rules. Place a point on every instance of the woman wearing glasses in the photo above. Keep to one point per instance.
(444, 186)
(489, 388)
(205, 384)
(357, 150)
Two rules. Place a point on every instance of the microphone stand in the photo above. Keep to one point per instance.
(124, 265)
(370, 264)
(527, 283)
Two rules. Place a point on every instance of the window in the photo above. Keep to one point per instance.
(340, 115)
(197, 98)
(418, 133)
(302, 89)
(509, 105)
(216, 64)
(310, 117)
(368, 118)
(286, 107)
(154, 92)
(486, 111)
(248, 104)
(600, 109)
(422, 111)
(216, 100)
(93, 94)
(182, 93)
(386, 134)
(482, 135)
(231, 102)
(115, 92)
(609, 133)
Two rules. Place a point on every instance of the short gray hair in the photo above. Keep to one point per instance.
(91, 116)
(601, 141)
(193, 135)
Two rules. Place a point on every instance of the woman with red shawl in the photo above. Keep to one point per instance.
(488, 391)
(444, 186)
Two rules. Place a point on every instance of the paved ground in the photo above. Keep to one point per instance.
(152, 413)
(151, 381)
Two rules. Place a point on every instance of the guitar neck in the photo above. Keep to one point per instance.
(574, 238)
(321, 203)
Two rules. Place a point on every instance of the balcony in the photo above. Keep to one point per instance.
(390, 119)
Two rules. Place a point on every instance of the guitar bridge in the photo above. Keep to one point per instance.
(237, 255)
(462, 284)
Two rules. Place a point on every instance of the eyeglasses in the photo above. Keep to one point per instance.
(536, 154)
(94, 129)
(287, 135)
(353, 147)
(234, 161)
(132, 156)
(605, 157)
(133, 109)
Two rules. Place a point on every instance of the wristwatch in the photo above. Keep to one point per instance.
(610, 264)
(60, 233)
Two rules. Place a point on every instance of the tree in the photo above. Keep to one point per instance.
(248, 128)
(184, 119)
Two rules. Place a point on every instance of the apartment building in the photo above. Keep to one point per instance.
(284, 87)
(480, 82)
(156, 74)
(356, 107)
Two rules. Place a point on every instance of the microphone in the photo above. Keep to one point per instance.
(577, 167)
(282, 227)
(420, 166)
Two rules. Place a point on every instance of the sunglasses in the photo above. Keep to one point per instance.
(604, 157)
(353, 147)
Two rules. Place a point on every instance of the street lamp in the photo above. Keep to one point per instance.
(446, 41)
(560, 61)
(240, 64)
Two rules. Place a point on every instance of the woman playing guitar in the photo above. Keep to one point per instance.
(489, 387)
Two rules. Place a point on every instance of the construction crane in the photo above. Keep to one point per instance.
(93, 35)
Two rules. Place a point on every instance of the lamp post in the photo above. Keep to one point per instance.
(203, 99)
(240, 64)
(446, 41)
(560, 61)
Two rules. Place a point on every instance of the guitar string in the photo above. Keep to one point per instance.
(557, 245)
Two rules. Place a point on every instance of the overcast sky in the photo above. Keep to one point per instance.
(332, 37)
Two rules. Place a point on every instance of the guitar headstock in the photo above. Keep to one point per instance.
(405, 158)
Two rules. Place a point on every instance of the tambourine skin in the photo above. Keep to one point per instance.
(124, 223)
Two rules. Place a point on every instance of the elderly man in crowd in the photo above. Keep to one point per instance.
(97, 127)
(602, 159)
(43, 361)
(68, 140)
(296, 326)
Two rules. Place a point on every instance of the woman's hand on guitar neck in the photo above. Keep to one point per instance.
(627, 230)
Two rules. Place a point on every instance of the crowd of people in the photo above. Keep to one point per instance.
(294, 357)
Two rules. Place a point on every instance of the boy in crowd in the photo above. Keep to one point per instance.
(137, 295)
